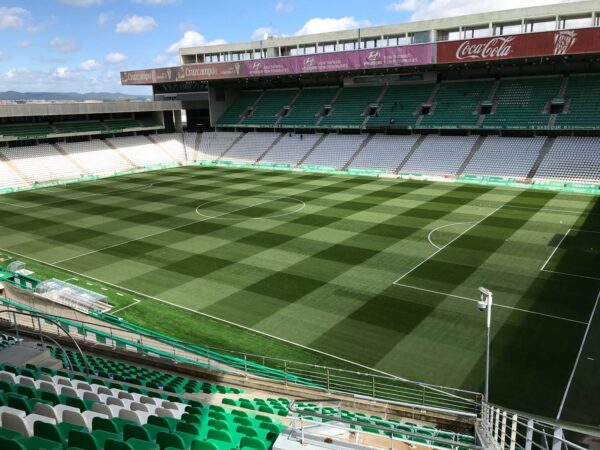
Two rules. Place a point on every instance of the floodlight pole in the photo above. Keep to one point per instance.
(486, 303)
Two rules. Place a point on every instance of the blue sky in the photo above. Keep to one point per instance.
(81, 45)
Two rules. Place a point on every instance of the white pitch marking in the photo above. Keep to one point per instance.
(439, 228)
(555, 249)
(527, 311)
(138, 188)
(562, 404)
(571, 275)
(243, 327)
(273, 198)
(157, 233)
(443, 247)
(125, 307)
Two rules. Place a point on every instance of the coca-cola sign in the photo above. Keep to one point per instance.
(548, 43)
(493, 48)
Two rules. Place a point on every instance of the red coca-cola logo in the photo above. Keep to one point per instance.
(499, 47)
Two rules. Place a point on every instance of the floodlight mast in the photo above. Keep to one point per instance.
(485, 304)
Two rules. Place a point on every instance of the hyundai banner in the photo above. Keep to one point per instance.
(289, 65)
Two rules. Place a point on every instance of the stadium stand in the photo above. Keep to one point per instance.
(140, 151)
(214, 144)
(433, 158)
(291, 148)
(250, 147)
(505, 156)
(96, 157)
(334, 151)
(523, 102)
(572, 159)
(270, 105)
(9, 178)
(234, 114)
(23, 130)
(350, 108)
(174, 145)
(40, 163)
(384, 152)
(456, 104)
(79, 127)
(583, 103)
(308, 105)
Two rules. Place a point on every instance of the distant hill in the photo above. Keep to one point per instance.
(70, 96)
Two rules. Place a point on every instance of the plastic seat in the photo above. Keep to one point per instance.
(137, 444)
(203, 445)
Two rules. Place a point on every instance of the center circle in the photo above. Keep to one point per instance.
(226, 208)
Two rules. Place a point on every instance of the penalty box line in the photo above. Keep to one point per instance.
(449, 243)
(574, 275)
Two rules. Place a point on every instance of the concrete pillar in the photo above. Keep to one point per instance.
(177, 121)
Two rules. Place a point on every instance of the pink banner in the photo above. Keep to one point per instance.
(289, 65)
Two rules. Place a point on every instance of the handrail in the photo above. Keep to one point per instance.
(388, 431)
(50, 319)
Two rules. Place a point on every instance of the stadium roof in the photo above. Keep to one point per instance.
(512, 21)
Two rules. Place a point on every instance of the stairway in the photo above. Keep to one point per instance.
(429, 102)
(312, 149)
(490, 98)
(15, 169)
(332, 103)
(543, 152)
(413, 149)
(378, 101)
(476, 146)
(253, 106)
(356, 153)
(238, 139)
(120, 153)
(22, 354)
(275, 142)
(62, 151)
(561, 93)
(162, 149)
(291, 105)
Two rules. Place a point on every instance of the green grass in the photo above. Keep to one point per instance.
(313, 259)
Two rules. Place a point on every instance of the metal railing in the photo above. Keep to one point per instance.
(508, 430)
(289, 373)
(304, 424)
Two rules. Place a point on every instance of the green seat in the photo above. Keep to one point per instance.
(203, 445)
(219, 435)
(83, 440)
(111, 444)
(10, 444)
(49, 432)
(229, 401)
(38, 443)
(101, 423)
(247, 431)
(10, 435)
(165, 439)
(253, 443)
(137, 444)
(189, 428)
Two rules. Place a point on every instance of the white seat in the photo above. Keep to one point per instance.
(138, 417)
(116, 401)
(111, 411)
(164, 412)
(149, 400)
(13, 411)
(47, 411)
(7, 376)
(61, 409)
(17, 423)
(89, 395)
(127, 395)
(66, 390)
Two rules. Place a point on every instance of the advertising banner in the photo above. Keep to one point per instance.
(550, 43)
(289, 65)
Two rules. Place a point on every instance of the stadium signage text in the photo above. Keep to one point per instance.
(542, 44)
(494, 48)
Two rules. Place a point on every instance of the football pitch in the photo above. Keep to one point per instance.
(378, 272)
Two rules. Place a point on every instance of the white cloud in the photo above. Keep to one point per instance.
(102, 19)
(89, 64)
(260, 33)
(64, 45)
(13, 18)
(192, 39)
(3, 56)
(433, 9)
(284, 6)
(61, 72)
(81, 3)
(136, 24)
(321, 25)
(23, 44)
(116, 58)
